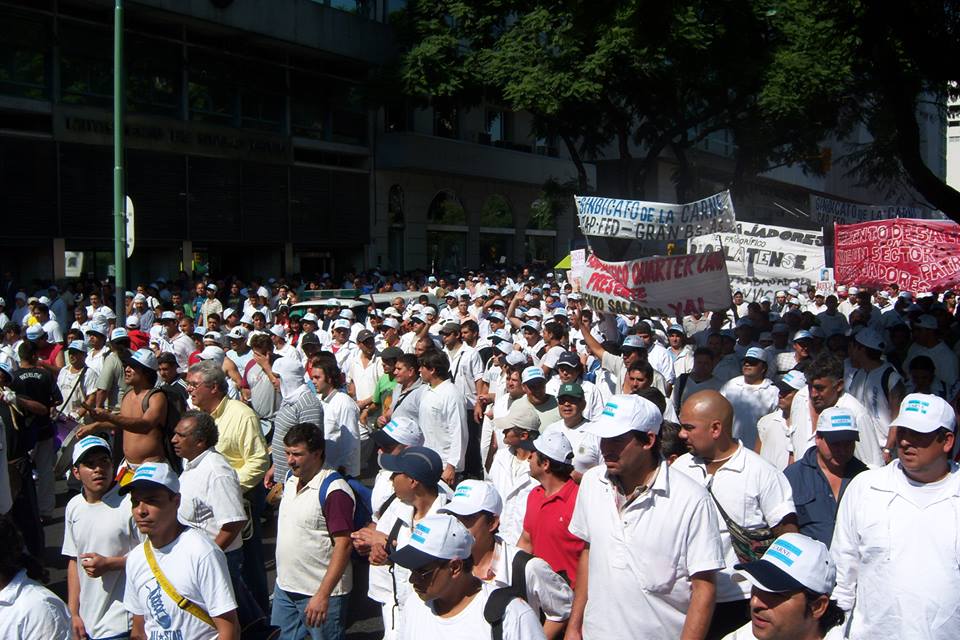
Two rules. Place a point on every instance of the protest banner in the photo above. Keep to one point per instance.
(763, 259)
(578, 258)
(641, 220)
(827, 212)
(658, 286)
(918, 255)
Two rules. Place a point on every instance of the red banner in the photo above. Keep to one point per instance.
(918, 255)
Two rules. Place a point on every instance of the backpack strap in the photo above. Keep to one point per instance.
(518, 573)
(251, 363)
(386, 505)
(325, 486)
(681, 385)
(496, 608)
(145, 403)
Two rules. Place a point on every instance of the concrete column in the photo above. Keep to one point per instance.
(186, 256)
(288, 265)
(59, 260)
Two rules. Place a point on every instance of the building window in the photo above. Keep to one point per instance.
(397, 117)
(496, 212)
(395, 205)
(363, 8)
(24, 55)
(211, 89)
(153, 77)
(309, 114)
(445, 209)
(496, 248)
(261, 111)
(447, 251)
(348, 112)
(86, 64)
(446, 122)
(541, 249)
(496, 126)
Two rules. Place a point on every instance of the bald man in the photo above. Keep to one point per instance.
(748, 492)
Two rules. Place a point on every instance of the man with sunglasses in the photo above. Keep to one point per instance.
(653, 543)
(448, 600)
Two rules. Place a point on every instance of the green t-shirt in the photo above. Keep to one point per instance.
(384, 387)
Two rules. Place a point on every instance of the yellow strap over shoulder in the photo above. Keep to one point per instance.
(187, 605)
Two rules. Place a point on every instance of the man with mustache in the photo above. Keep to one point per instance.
(653, 542)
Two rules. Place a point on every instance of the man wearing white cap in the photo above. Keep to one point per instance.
(773, 429)
(175, 342)
(753, 395)
(178, 584)
(96, 335)
(653, 545)
(448, 600)
(897, 538)
(747, 493)
(791, 587)
(98, 533)
(77, 382)
(210, 305)
(927, 342)
(875, 383)
(477, 505)
(443, 414)
(510, 470)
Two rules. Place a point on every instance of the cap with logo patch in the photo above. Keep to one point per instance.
(474, 496)
(155, 474)
(925, 413)
(553, 445)
(755, 353)
(793, 562)
(792, 380)
(87, 444)
(570, 389)
(837, 424)
(625, 413)
(399, 430)
(436, 538)
(531, 374)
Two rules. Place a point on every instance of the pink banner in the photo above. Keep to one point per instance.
(918, 255)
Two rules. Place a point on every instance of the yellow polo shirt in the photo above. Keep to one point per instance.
(241, 441)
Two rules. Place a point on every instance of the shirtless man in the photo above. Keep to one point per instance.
(142, 430)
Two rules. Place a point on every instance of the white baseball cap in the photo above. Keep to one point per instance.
(399, 430)
(77, 345)
(793, 562)
(515, 358)
(213, 352)
(625, 413)
(925, 413)
(530, 374)
(391, 323)
(86, 444)
(246, 319)
(926, 321)
(155, 473)
(213, 336)
(755, 353)
(144, 358)
(35, 332)
(98, 327)
(238, 333)
(133, 321)
(520, 416)
(341, 324)
(229, 311)
(309, 317)
(474, 496)
(278, 331)
(168, 315)
(436, 537)
(871, 339)
(553, 445)
(346, 314)
(118, 334)
(792, 380)
(837, 424)
(331, 302)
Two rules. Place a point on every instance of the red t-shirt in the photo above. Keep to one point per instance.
(138, 339)
(546, 521)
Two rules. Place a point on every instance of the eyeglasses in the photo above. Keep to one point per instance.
(193, 385)
(425, 575)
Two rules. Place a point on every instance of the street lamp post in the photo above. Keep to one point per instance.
(119, 200)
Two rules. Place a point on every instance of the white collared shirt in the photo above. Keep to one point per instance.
(750, 403)
(466, 368)
(753, 493)
(443, 419)
(210, 496)
(511, 477)
(897, 550)
(641, 559)
(803, 430)
(30, 610)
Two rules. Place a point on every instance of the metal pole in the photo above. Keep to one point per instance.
(119, 199)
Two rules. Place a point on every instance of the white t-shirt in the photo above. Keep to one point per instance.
(210, 496)
(28, 610)
(752, 493)
(746, 633)
(519, 620)
(466, 367)
(867, 387)
(750, 403)
(586, 446)
(66, 380)
(511, 477)
(774, 434)
(443, 420)
(197, 569)
(107, 528)
(341, 430)
(943, 358)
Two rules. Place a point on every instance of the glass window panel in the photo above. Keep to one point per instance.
(447, 250)
(86, 64)
(496, 212)
(211, 90)
(24, 54)
(153, 77)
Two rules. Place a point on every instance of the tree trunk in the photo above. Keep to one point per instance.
(583, 184)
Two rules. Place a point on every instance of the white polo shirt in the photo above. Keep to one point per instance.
(511, 477)
(753, 493)
(466, 368)
(586, 446)
(341, 430)
(105, 527)
(867, 449)
(641, 559)
(897, 550)
(750, 403)
(443, 420)
(774, 432)
(197, 569)
(210, 496)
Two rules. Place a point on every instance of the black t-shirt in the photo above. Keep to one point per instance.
(38, 384)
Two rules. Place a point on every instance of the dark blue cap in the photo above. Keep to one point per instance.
(420, 463)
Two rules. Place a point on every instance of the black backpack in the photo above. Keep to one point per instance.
(500, 599)
(176, 407)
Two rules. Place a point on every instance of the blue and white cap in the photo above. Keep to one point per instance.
(925, 413)
(156, 473)
(342, 323)
(118, 334)
(836, 424)
(436, 537)
(625, 413)
(531, 374)
(98, 327)
(77, 345)
(792, 563)
(802, 335)
(35, 332)
(474, 496)
(87, 444)
(792, 380)
(633, 342)
(399, 430)
(755, 353)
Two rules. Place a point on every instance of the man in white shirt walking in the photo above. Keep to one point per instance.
(897, 537)
(753, 395)
(443, 415)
